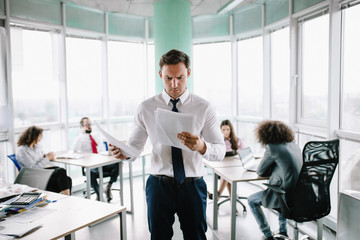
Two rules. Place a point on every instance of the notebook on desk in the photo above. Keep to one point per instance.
(247, 159)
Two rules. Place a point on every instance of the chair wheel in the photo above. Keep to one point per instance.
(306, 237)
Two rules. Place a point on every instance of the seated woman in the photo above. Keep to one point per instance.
(232, 143)
(30, 155)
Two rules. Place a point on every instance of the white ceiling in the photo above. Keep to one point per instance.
(145, 7)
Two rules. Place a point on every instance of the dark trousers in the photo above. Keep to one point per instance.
(58, 181)
(188, 200)
(111, 171)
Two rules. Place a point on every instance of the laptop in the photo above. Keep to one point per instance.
(247, 159)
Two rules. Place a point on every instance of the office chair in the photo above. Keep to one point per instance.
(13, 159)
(34, 177)
(105, 174)
(310, 199)
(227, 198)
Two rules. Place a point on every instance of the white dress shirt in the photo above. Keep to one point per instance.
(206, 126)
(82, 143)
(31, 157)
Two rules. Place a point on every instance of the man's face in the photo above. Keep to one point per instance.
(86, 126)
(174, 79)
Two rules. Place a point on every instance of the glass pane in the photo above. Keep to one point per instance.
(245, 131)
(84, 77)
(315, 52)
(126, 77)
(212, 75)
(35, 73)
(250, 81)
(151, 71)
(280, 75)
(350, 117)
(350, 166)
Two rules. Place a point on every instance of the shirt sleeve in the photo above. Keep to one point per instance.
(213, 138)
(77, 145)
(267, 163)
(27, 159)
(139, 134)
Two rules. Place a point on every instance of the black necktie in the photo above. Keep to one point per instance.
(176, 154)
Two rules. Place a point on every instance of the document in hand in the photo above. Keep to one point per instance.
(125, 149)
(169, 124)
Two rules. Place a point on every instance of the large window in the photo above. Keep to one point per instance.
(35, 74)
(250, 73)
(280, 75)
(84, 61)
(350, 117)
(314, 69)
(127, 75)
(212, 75)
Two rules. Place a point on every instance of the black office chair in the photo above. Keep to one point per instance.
(34, 177)
(105, 174)
(310, 199)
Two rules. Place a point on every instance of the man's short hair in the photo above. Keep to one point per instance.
(82, 121)
(173, 57)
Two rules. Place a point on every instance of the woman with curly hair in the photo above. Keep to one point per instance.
(30, 155)
(282, 163)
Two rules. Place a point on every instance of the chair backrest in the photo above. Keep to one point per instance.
(311, 197)
(34, 177)
(13, 159)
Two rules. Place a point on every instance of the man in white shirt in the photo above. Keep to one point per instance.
(176, 184)
(89, 142)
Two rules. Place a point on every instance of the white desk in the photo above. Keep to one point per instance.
(233, 175)
(73, 214)
(233, 161)
(92, 160)
(230, 169)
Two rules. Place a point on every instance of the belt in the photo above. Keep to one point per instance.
(167, 179)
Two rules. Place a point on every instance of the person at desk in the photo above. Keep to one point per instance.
(29, 154)
(176, 183)
(282, 163)
(92, 143)
(232, 144)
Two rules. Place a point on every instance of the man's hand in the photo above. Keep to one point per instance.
(192, 141)
(116, 152)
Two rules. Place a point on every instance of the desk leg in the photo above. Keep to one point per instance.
(122, 216)
(101, 184)
(131, 188)
(121, 180)
(216, 207)
(233, 209)
(88, 187)
(71, 236)
(143, 170)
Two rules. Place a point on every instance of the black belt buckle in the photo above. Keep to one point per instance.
(167, 179)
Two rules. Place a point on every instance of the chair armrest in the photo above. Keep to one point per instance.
(274, 188)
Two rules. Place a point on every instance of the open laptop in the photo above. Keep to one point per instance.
(247, 159)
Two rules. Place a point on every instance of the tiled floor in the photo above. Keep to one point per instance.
(246, 227)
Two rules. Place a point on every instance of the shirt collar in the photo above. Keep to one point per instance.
(182, 98)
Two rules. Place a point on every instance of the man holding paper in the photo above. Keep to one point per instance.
(176, 184)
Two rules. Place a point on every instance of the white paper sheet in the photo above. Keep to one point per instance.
(125, 149)
(12, 228)
(169, 124)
